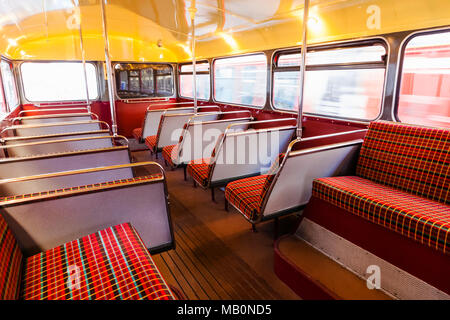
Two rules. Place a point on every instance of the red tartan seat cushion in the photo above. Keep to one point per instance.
(419, 218)
(199, 170)
(411, 158)
(170, 154)
(137, 133)
(110, 264)
(10, 263)
(246, 195)
(150, 141)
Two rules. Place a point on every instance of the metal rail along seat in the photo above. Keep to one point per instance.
(53, 128)
(49, 137)
(112, 263)
(152, 117)
(51, 118)
(198, 136)
(286, 187)
(62, 145)
(393, 211)
(13, 171)
(48, 218)
(241, 154)
(170, 129)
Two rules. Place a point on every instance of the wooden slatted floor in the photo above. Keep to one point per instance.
(203, 267)
(216, 256)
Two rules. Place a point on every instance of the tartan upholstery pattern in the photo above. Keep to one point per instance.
(246, 195)
(271, 173)
(170, 154)
(416, 217)
(83, 188)
(199, 170)
(137, 134)
(10, 263)
(111, 264)
(151, 141)
(410, 158)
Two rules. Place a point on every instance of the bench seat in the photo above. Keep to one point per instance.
(111, 264)
(137, 134)
(418, 218)
(107, 265)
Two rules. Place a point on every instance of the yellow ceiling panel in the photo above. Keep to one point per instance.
(159, 30)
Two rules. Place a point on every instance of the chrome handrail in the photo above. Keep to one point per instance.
(52, 109)
(62, 140)
(52, 124)
(81, 171)
(57, 115)
(16, 138)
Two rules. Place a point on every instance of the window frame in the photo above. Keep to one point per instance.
(16, 87)
(213, 82)
(174, 78)
(191, 73)
(338, 66)
(400, 62)
(58, 101)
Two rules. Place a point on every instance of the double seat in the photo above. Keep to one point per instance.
(402, 183)
(110, 264)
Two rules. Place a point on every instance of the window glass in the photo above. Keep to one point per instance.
(9, 85)
(143, 80)
(241, 80)
(425, 83)
(3, 107)
(367, 54)
(342, 91)
(58, 81)
(203, 81)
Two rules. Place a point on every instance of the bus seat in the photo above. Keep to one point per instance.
(192, 146)
(139, 277)
(287, 186)
(42, 119)
(170, 129)
(70, 135)
(152, 119)
(402, 183)
(247, 194)
(59, 146)
(13, 171)
(46, 219)
(54, 128)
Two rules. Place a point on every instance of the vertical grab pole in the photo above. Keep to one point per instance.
(302, 69)
(83, 58)
(109, 71)
(192, 11)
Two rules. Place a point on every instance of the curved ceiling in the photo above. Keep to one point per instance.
(159, 30)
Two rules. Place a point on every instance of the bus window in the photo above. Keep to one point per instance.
(203, 80)
(345, 82)
(9, 85)
(241, 80)
(58, 81)
(143, 80)
(3, 106)
(425, 82)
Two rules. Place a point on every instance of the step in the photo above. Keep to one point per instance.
(313, 275)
